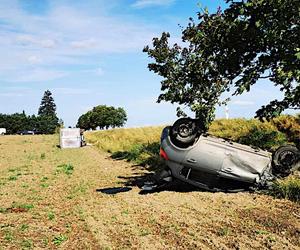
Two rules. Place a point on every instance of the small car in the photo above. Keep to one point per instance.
(218, 164)
(26, 132)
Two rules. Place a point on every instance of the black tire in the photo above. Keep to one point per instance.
(285, 159)
(184, 132)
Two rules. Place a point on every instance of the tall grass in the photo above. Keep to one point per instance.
(139, 145)
(290, 126)
(264, 135)
(123, 139)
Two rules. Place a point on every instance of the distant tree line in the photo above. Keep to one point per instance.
(102, 117)
(46, 122)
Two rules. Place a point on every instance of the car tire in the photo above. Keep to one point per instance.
(184, 132)
(285, 159)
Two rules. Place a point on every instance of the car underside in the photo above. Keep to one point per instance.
(218, 164)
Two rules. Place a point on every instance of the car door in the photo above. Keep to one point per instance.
(204, 160)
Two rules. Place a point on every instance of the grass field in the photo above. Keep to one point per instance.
(51, 198)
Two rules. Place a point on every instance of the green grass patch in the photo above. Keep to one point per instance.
(144, 232)
(43, 156)
(43, 182)
(3, 210)
(44, 185)
(67, 169)
(261, 232)
(8, 236)
(224, 231)
(51, 216)
(59, 239)
(43, 179)
(78, 190)
(288, 188)
(25, 185)
(22, 206)
(12, 178)
(27, 244)
(24, 227)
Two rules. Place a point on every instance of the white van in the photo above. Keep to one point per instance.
(2, 131)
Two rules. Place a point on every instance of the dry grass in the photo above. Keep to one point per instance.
(236, 128)
(123, 139)
(49, 200)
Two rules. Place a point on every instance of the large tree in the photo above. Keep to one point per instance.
(47, 118)
(47, 106)
(103, 116)
(231, 50)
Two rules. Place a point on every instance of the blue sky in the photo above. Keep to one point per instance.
(89, 53)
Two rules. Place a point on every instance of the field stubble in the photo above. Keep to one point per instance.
(49, 199)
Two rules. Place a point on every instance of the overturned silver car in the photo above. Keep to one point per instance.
(218, 164)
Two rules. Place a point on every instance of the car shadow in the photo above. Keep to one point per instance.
(152, 164)
(174, 186)
(114, 190)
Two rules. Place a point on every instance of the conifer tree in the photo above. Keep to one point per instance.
(48, 120)
(47, 107)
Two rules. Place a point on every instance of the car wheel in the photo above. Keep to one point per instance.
(184, 132)
(285, 159)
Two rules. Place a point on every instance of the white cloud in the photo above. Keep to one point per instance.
(34, 59)
(72, 91)
(84, 44)
(38, 75)
(150, 3)
(242, 103)
(62, 36)
(48, 43)
(30, 40)
(11, 94)
(99, 71)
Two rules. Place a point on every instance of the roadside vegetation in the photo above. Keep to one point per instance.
(266, 135)
(288, 188)
(138, 145)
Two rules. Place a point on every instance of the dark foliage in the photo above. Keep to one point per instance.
(46, 122)
(47, 106)
(102, 116)
(263, 138)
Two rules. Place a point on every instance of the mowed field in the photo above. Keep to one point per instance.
(51, 198)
